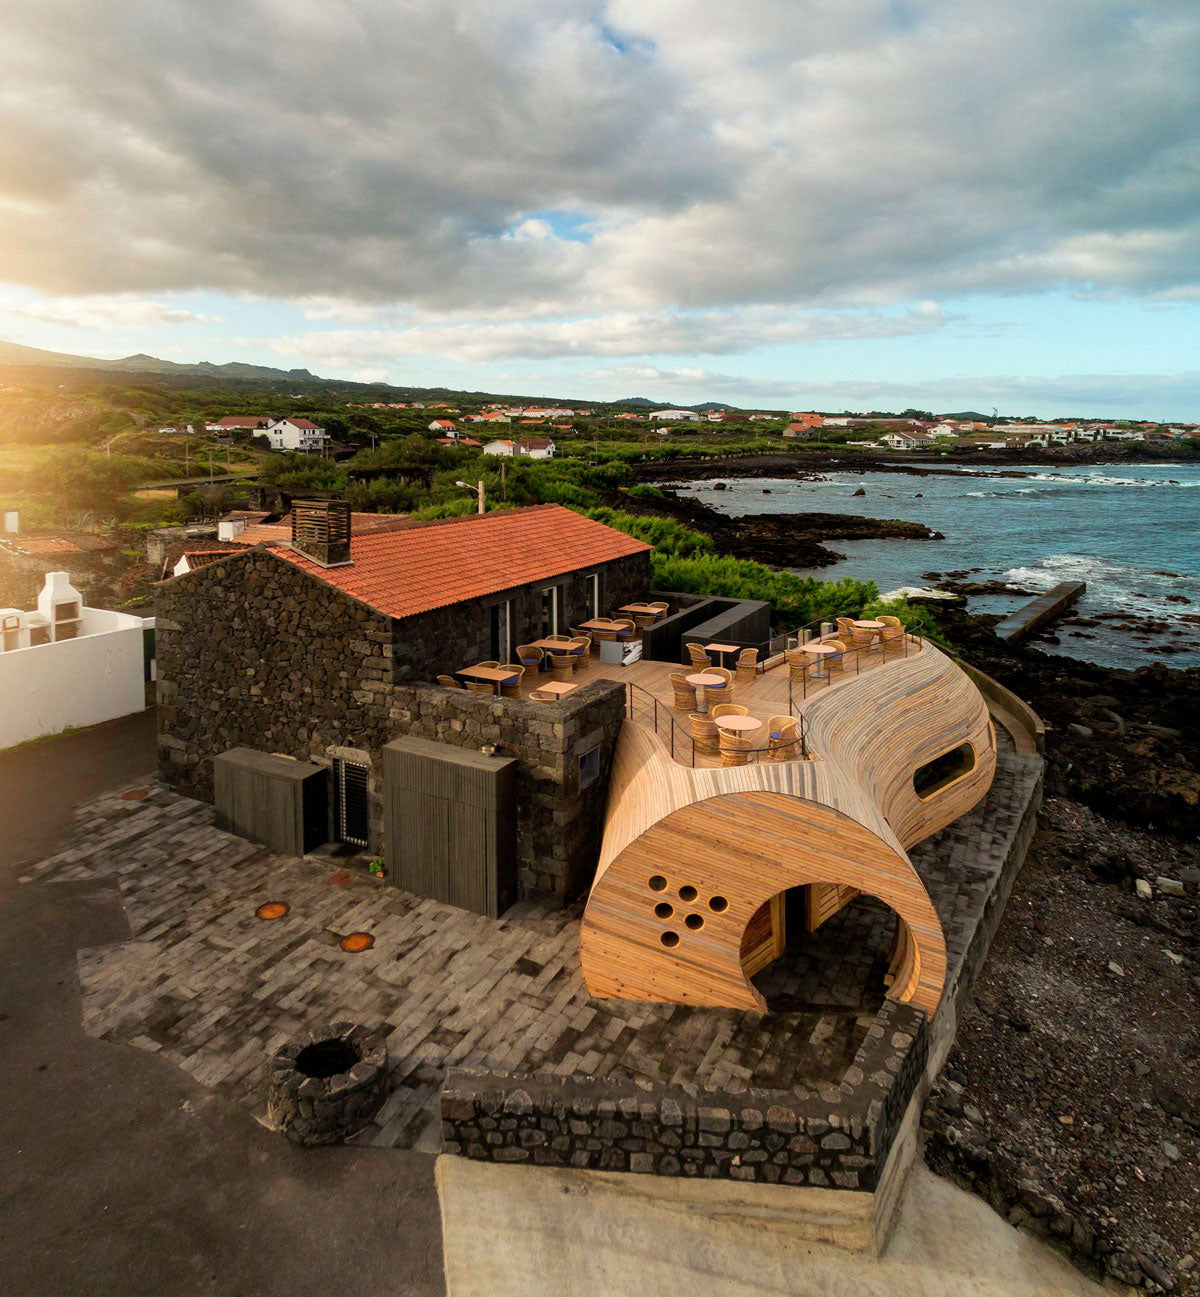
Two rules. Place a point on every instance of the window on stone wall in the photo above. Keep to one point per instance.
(501, 631)
(550, 610)
(594, 606)
(589, 767)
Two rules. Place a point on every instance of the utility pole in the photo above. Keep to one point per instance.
(210, 465)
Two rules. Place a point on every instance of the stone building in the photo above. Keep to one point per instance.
(327, 647)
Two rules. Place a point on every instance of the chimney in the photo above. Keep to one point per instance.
(321, 531)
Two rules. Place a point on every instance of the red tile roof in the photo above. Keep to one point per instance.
(426, 565)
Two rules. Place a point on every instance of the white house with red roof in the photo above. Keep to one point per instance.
(444, 427)
(530, 447)
(296, 434)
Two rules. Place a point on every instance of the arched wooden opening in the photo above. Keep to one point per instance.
(667, 918)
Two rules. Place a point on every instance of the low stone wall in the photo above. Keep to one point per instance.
(836, 1139)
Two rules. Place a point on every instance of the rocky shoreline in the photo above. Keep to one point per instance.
(806, 462)
(778, 539)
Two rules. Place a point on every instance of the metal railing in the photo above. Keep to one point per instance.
(643, 706)
(848, 662)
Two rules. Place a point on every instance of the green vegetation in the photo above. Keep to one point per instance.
(665, 534)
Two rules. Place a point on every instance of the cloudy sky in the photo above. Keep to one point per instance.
(792, 203)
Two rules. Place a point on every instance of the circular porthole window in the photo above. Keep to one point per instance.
(718, 905)
(687, 892)
(670, 939)
(663, 910)
(658, 883)
(694, 921)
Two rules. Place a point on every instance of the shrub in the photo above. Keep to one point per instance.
(794, 600)
(665, 534)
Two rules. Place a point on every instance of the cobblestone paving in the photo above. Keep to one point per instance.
(216, 990)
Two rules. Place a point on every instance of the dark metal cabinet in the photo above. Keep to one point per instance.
(449, 818)
(283, 804)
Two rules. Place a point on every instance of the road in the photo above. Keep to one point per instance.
(118, 1173)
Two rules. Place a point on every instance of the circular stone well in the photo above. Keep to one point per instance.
(327, 1083)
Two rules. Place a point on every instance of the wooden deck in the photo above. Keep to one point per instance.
(768, 696)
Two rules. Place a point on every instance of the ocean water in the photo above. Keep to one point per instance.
(1132, 532)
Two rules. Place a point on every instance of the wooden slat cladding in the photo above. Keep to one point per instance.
(746, 834)
(273, 800)
(450, 824)
(764, 937)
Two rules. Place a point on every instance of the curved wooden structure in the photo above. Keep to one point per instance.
(692, 856)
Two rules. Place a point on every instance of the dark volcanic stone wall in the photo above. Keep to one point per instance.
(559, 824)
(253, 652)
(839, 1139)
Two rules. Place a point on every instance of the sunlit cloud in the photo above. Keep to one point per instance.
(109, 313)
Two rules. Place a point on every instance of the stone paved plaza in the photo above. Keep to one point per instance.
(214, 989)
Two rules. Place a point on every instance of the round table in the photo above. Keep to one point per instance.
(700, 681)
(820, 651)
(739, 723)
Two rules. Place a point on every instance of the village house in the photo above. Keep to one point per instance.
(530, 447)
(904, 440)
(239, 422)
(799, 431)
(444, 426)
(296, 434)
(333, 640)
(680, 416)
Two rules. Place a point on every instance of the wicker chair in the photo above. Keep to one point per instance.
(478, 687)
(783, 738)
(660, 610)
(892, 635)
(541, 696)
(580, 652)
(727, 709)
(625, 629)
(449, 682)
(643, 620)
(834, 661)
(562, 667)
(685, 694)
(704, 733)
(700, 659)
(735, 750)
(492, 665)
(577, 632)
(722, 693)
(605, 633)
(845, 629)
(512, 689)
(747, 667)
(530, 656)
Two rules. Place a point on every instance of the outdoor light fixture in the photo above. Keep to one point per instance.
(478, 489)
(271, 910)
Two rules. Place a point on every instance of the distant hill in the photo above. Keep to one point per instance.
(13, 353)
(967, 414)
(632, 400)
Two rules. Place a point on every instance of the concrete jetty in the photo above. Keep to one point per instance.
(1045, 608)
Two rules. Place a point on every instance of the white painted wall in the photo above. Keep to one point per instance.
(95, 677)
